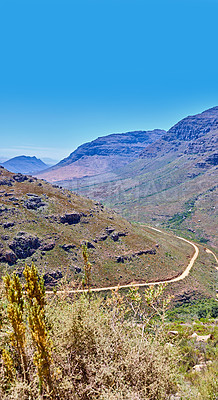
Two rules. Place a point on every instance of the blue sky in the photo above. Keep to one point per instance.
(71, 71)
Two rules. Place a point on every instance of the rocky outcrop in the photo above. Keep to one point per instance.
(34, 202)
(212, 159)
(24, 244)
(20, 177)
(77, 269)
(115, 235)
(68, 247)
(110, 232)
(47, 245)
(51, 278)
(7, 256)
(8, 224)
(6, 181)
(130, 256)
(70, 218)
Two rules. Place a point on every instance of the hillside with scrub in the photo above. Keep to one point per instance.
(126, 346)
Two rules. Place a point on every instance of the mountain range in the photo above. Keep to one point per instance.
(168, 179)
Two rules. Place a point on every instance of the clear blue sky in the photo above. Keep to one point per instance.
(71, 71)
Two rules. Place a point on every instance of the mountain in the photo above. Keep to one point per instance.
(103, 154)
(25, 165)
(173, 182)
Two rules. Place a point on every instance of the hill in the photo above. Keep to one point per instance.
(173, 183)
(25, 165)
(45, 224)
(102, 155)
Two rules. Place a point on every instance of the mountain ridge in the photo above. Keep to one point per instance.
(107, 152)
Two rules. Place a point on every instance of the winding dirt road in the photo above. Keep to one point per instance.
(209, 251)
(178, 278)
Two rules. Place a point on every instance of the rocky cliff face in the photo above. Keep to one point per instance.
(193, 134)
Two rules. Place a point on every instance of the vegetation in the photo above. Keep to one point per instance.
(113, 348)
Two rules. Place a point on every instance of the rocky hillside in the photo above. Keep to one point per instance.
(102, 155)
(173, 182)
(24, 165)
(46, 224)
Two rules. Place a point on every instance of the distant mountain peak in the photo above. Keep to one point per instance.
(25, 164)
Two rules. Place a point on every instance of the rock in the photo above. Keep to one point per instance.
(47, 245)
(109, 230)
(201, 338)
(129, 256)
(186, 297)
(172, 333)
(8, 225)
(151, 251)
(115, 236)
(121, 259)
(6, 182)
(34, 202)
(199, 367)
(90, 245)
(24, 244)
(51, 278)
(5, 237)
(7, 256)
(68, 247)
(70, 218)
(20, 177)
(103, 237)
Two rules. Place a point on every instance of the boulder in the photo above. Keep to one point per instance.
(24, 244)
(68, 247)
(77, 269)
(34, 202)
(51, 278)
(115, 235)
(20, 177)
(47, 245)
(90, 245)
(7, 256)
(201, 338)
(8, 225)
(6, 181)
(70, 218)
